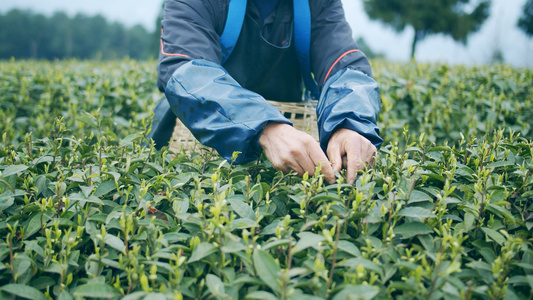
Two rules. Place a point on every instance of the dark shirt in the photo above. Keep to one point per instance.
(191, 29)
(265, 7)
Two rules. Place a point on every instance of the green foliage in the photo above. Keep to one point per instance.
(24, 34)
(526, 20)
(448, 17)
(33, 95)
(444, 103)
(88, 211)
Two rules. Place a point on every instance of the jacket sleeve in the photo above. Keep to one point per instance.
(349, 95)
(218, 111)
(349, 99)
(189, 30)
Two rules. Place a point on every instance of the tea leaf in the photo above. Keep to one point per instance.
(7, 198)
(267, 269)
(349, 248)
(416, 212)
(35, 247)
(202, 250)
(35, 224)
(180, 206)
(24, 291)
(114, 242)
(86, 190)
(21, 264)
(411, 229)
(96, 290)
(364, 292)
(241, 224)
(261, 295)
(83, 199)
(241, 208)
(469, 221)
(504, 212)
(418, 196)
(500, 164)
(529, 225)
(105, 188)
(353, 263)
(494, 235)
(307, 239)
(13, 170)
(275, 244)
(215, 285)
(129, 139)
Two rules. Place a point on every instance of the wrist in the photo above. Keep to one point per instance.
(270, 130)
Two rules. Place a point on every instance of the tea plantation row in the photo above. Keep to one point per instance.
(87, 210)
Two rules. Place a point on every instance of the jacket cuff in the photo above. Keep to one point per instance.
(349, 99)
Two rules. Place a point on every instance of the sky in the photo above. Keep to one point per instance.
(499, 32)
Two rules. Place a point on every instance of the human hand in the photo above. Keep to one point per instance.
(290, 149)
(350, 150)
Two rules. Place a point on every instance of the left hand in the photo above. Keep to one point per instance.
(349, 150)
(290, 149)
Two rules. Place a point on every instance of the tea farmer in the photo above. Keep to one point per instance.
(220, 59)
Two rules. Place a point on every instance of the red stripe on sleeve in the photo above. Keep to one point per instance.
(338, 59)
(169, 54)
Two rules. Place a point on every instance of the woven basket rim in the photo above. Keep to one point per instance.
(301, 114)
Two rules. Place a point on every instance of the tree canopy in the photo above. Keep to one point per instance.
(526, 20)
(456, 18)
(24, 34)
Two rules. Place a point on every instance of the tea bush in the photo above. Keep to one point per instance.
(89, 209)
(446, 102)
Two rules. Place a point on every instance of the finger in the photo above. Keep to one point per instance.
(335, 155)
(372, 153)
(299, 158)
(353, 161)
(278, 163)
(298, 169)
(310, 155)
(285, 164)
(319, 158)
(373, 160)
(305, 164)
(367, 155)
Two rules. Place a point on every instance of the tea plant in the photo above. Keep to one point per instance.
(89, 209)
(444, 102)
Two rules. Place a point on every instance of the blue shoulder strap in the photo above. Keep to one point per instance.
(232, 29)
(302, 37)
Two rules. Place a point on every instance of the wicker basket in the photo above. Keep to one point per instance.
(301, 114)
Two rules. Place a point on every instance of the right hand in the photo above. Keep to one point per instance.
(290, 149)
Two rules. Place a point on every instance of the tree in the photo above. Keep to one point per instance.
(456, 18)
(526, 20)
(157, 31)
(24, 34)
(140, 43)
(61, 41)
(16, 26)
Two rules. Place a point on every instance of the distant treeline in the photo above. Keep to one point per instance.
(24, 34)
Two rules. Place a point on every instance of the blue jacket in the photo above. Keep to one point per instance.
(224, 105)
